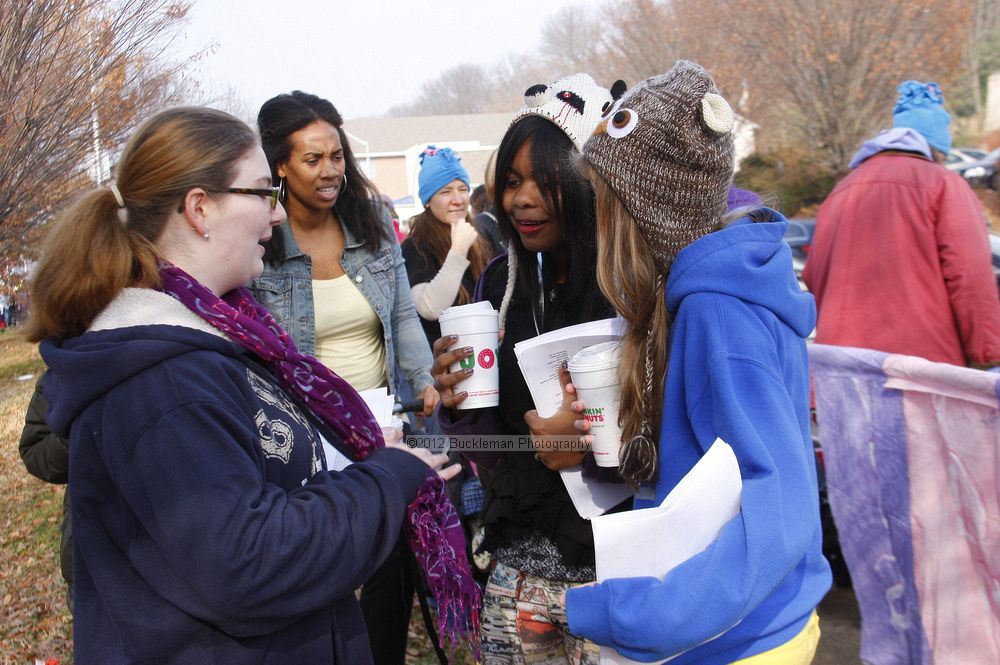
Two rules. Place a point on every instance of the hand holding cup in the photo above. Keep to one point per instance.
(474, 327)
(444, 379)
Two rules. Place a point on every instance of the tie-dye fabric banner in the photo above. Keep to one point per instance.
(912, 453)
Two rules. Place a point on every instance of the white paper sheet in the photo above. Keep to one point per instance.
(652, 541)
(592, 497)
(380, 401)
(541, 357)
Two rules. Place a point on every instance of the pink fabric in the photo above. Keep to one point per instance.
(952, 425)
(912, 451)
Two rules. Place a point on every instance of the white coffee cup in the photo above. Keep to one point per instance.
(477, 326)
(594, 370)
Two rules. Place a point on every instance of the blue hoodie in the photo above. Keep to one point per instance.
(205, 529)
(737, 370)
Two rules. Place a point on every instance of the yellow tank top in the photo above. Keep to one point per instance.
(348, 333)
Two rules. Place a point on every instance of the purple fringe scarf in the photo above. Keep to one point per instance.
(434, 532)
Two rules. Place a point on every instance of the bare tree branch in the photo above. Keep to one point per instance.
(76, 77)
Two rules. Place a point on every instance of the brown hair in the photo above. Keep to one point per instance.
(629, 279)
(95, 249)
(490, 177)
(435, 238)
(479, 200)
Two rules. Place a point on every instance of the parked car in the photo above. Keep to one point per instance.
(958, 157)
(799, 235)
(982, 171)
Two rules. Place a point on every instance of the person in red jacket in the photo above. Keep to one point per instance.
(900, 261)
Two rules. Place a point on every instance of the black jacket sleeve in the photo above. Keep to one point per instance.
(45, 454)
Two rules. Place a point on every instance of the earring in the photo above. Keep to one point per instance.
(345, 180)
(205, 235)
(281, 189)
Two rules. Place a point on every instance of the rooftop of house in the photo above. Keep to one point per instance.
(395, 135)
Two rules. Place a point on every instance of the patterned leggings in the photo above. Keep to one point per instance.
(524, 622)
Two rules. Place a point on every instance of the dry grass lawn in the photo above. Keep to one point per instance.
(35, 621)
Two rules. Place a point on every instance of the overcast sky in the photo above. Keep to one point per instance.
(364, 55)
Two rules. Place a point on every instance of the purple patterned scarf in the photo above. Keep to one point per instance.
(433, 529)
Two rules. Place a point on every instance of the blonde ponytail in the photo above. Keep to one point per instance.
(629, 278)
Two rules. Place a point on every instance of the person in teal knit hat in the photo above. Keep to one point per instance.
(444, 254)
(934, 294)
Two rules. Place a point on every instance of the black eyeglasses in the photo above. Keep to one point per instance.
(271, 194)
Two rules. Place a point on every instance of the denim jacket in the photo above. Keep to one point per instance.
(285, 289)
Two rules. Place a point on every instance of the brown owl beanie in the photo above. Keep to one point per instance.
(666, 149)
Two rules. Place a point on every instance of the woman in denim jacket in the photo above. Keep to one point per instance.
(334, 278)
(285, 288)
(336, 253)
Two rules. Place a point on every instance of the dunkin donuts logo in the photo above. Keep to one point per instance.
(486, 359)
(593, 415)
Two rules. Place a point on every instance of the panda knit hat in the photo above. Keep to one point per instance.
(666, 149)
(574, 104)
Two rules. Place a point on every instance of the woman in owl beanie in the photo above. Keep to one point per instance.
(718, 351)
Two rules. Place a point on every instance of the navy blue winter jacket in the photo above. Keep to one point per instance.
(207, 529)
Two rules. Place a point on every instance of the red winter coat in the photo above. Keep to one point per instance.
(900, 262)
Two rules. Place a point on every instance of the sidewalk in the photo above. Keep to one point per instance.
(840, 628)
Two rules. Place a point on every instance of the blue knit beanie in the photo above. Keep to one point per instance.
(921, 107)
(438, 167)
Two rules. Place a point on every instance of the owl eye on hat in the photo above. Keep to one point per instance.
(666, 149)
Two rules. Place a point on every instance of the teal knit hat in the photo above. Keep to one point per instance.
(438, 167)
(921, 107)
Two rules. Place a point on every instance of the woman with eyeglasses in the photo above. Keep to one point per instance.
(334, 277)
(209, 524)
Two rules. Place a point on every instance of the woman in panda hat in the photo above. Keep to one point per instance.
(539, 543)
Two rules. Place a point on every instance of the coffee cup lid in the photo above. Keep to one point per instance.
(472, 309)
(598, 356)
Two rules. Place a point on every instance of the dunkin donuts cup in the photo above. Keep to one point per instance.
(477, 326)
(594, 370)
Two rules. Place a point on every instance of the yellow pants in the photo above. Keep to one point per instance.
(799, 650)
